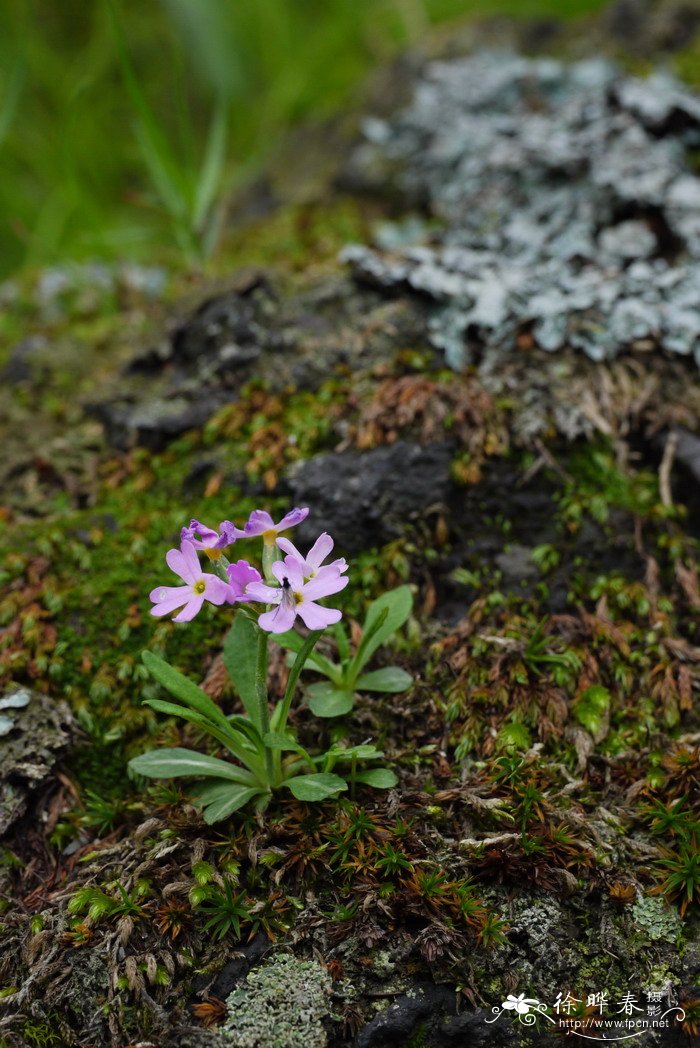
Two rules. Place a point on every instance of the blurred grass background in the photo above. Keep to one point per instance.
(125, 124)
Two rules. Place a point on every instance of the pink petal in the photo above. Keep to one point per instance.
(278, 621)
(193, 606)
(216, 590)
(329, 571)
(177, 563)
(288, 547)
(259, 521)
(191, 561)
(166, 606)
(315, 617)
(291, 569)
(164, 593)
(323, 587)
(319, 551)
(295, 516)
(267, 594)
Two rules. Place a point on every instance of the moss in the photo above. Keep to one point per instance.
(281, 1003)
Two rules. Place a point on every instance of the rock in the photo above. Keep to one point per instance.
(399, 1022)
(39, 734)
(517, 564)
(366, 498)
(284, 1002)
(231, 974)
(153, 422)
(230, 329)
(426, 1016)
(688, 452)
(20, 366)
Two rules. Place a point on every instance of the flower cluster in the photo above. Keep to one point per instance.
(291, 583)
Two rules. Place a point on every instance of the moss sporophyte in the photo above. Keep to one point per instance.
(264, 753)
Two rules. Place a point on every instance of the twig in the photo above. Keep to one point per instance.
(669, 455)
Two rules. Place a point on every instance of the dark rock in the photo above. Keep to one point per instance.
(154, 423)
(688, 452)
(229, 327)
(366, 498)
(470, 1030)
(516, 564)
(235, 970)
(37, 733)
(400, 1020)
(428, 1013)
(21, 364)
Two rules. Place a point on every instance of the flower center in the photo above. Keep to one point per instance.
(199, 587)
(269, 537)
(298, 597)
(212, 553)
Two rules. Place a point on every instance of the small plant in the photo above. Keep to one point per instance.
(266, 752)
(681, 872)
(225, 910)
(336, 695)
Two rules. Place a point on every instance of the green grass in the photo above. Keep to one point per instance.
(124, 125)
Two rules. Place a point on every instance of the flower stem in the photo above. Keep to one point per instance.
(261, 691)
(282, 714)
(270, 554)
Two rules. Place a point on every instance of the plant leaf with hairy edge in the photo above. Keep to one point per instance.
(389, 679)
(325, 700)
(316, 787)
(293, 641)
(384, 617)
(178, 762)
(240, 658)
(226, 801)
(276, 741)
(379, 778)
(183, 688)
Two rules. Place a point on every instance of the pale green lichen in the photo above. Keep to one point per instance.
(657, 918)
(281, 1004)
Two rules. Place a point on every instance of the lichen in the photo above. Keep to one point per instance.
(282, 1003)
(657, 919)
(571, 214)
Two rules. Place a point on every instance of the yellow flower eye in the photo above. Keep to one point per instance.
(199, 587)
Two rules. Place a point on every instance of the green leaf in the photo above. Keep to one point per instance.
(325, 700)
(183, 689)
(212, 169)
(177, 762)
(390, 679)
(316, 787)
(384, 617)
(277, 741)
(228, 800)
(240, 656)
(236, 743)
(364, 752)
(380, 778)
(292, 641)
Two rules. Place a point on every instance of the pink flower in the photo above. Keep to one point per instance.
(261, 523)
(295, 596)
(241, 573)
(208, 540)
(312, 563)
(199, 586)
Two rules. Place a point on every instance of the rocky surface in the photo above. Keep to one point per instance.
(35, 733)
